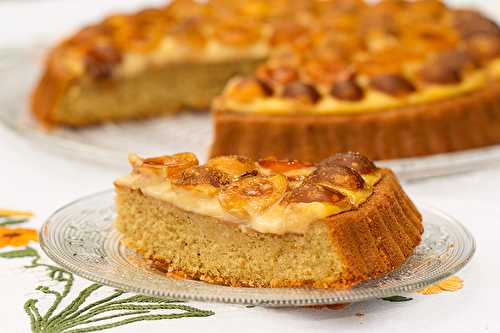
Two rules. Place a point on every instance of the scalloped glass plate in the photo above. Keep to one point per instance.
(188, 131)
(80, 237)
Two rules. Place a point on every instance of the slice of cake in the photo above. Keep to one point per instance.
(267, 223)
(153, 62)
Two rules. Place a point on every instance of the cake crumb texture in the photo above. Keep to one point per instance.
(336, 252)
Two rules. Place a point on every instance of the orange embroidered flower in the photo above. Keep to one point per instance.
(451, 284)
(17, 236)
(14, 213)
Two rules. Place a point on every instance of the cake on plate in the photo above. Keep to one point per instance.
(399, 79)
(313, 77)
(267, 223)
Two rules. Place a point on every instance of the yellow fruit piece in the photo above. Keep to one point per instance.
(251, 196)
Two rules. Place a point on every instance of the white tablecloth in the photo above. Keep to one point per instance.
(42, 181)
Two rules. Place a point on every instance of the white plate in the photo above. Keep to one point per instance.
(80, 238)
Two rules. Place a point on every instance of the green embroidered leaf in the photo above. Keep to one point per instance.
(107, 312)
(5, 222)
(397, 298)
(127, 308)
(27, 252)
(141, 318)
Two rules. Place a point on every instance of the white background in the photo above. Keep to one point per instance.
(34, 179)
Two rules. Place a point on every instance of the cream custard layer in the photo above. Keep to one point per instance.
(277, 219)
(167, 52)
(373, 100)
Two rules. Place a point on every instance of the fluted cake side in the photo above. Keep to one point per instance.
(464, 122)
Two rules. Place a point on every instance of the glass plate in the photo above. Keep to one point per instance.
(188, 131)
(80, 237)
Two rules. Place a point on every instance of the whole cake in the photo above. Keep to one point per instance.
(391, 79)
(267, 223)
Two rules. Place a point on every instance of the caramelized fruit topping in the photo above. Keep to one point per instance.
(288, 32)
(434, 73)
(203, 175)
(303, 92)
(252, 195)
(246, 90)
(267, 195)
(446, 68)
(188, 31)
(277, 74)
(280, 166)
(469, 23)
(353, 160)
(348, 90)
(310, 192)
(101, 59)
(336, 176)
(326, 36)
(392, 84)
(236, 166)
(169, 165)
(237, 34)
(324, 71)
(460, 60)
(484, 47)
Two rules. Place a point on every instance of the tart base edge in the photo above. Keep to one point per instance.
(464, 122)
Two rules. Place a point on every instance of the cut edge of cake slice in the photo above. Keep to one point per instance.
(363, 241)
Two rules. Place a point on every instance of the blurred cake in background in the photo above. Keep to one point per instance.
(393, 79)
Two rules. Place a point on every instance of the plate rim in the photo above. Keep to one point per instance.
(129, 287)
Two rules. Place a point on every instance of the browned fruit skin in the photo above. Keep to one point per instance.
(234, 165)
(392, 84)
(484, 47)
(459, 60)
(203, 175)
(101, 59)
(433, 73)
(237, 34)
(325, 71)
(311, 192)
(470, 23)
(247, 90)
(302, 92)
(337, 176)
(348, 90)
(252, 195)
(446, 68)
(171, 165)
(353, 160)
(281, 166)
(277, 74)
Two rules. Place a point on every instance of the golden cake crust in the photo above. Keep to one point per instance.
(49, 91)
(464, 122)
(370, 241)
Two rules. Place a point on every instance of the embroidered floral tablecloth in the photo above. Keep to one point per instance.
(38, 296)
